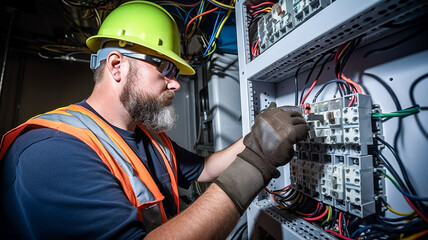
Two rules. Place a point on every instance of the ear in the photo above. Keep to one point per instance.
(114, 62)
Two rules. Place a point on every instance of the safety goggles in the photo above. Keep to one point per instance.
(167, 68)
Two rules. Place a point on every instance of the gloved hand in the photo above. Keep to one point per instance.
(270, 142)
(268, 146)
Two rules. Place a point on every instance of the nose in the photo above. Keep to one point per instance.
(173, 84)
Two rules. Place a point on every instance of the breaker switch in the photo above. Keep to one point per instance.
(330, 117)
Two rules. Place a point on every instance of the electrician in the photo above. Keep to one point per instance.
(104, 168)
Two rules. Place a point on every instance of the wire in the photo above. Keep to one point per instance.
(397, 177)
(222, 5)
(394, 211)
(309, 75)
(401, 190)
(319, 217)
(316, 79)
(417, 235)
(296, 83)
(338, 235)
(396, 44)
(268, 9)
(327, 83)
(345, 226)
(263, 3)
(199, 15)
(400, 164)
(328, 216)
(413, 101)
(399, 113)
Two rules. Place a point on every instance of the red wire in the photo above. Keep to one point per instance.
(337, 53)
(416, 210)
(340, 223)
(319, 217)
(193, 19)
(338, 235)
(263, 3)
(259, 11)
(310, 89)
(310, 214)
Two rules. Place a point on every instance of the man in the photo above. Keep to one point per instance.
(104, 169)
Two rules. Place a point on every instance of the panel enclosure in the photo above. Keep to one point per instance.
(300, 36)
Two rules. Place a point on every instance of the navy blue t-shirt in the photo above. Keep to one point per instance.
(53, 186)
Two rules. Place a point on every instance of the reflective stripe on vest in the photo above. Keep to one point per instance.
(139, 186)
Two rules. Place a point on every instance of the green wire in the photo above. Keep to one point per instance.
(400, 113)
(328, 216)
(215, 46)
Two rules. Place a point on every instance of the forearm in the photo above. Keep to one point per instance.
(212, 216)
(217, 162)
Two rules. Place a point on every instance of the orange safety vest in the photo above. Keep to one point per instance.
(138, 185)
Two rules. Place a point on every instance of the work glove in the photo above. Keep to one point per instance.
(268, 146)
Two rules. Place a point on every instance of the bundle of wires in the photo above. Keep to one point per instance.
(255, 13)
(191, 18)
(345, 85)
(341, 57)
(407, 189)
(409, 225)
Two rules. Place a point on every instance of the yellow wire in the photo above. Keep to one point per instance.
(347, 45)
(224, 5)
(222, 23)
(398, 213)
(416, 236)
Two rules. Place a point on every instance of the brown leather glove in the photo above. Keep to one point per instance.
(270, 142)
(268, 146)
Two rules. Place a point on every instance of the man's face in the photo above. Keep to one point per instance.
(155, 112)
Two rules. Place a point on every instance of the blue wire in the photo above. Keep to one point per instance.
(187, 16)
(178, 10)
(407, 194)
(359, 230)
(215, 28)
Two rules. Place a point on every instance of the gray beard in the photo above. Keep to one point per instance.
(147, 110)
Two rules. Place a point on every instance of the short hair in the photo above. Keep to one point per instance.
(98, 73)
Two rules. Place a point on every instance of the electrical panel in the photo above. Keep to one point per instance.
(334, 165)
(337, 165)
(284, 17)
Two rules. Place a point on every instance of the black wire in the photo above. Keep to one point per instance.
(420, 206)
(412, 99)
(333, 221)
(412, 87)
(296, 83)
(400, 164)
(348, 52)
(345, 227)
(327, 83)
(394, 45)
(310, 73)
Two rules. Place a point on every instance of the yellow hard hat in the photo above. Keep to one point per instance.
(146, 24)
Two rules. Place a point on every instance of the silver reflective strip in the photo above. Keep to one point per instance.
(152, 217)
(84, 122)
(165, 149)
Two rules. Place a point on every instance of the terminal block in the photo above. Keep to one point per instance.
(275, 24)
(304, 9)
(333, 164)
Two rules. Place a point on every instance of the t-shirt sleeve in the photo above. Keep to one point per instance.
(189, 166)
(62, 189)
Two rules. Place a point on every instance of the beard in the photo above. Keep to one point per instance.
(155, 113)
